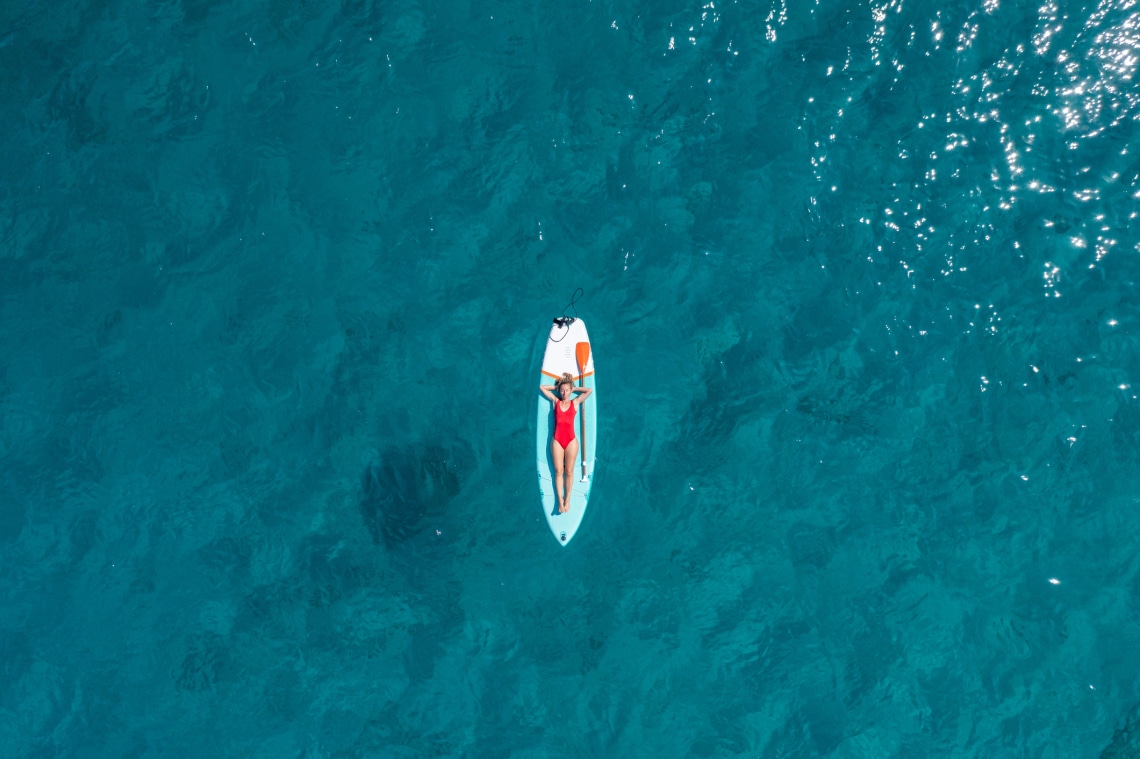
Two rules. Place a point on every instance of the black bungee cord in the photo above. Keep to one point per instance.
(564, 320)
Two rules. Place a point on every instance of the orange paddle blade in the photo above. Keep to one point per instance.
(582, 351)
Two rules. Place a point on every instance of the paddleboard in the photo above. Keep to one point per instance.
(562, 354)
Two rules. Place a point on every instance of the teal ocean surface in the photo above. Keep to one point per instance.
(861, 280)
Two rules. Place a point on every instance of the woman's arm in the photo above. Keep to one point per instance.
(583, 394)
(548, 391)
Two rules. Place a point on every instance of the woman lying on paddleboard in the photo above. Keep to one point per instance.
(564, 446)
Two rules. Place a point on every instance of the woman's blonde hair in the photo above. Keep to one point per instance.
(566, 377)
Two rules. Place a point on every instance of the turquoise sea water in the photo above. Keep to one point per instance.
(861, 281)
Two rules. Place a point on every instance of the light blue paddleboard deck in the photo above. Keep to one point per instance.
(561, 356)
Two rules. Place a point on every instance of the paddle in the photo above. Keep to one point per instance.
(582, 352)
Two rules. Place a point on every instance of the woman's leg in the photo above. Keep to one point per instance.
(568, 467)
(558, 456)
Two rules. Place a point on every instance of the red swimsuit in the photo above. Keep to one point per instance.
(563, 424)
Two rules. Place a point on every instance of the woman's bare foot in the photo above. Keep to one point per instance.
(563, 508)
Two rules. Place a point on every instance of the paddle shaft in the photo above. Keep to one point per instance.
(582, 353)
(582, 411)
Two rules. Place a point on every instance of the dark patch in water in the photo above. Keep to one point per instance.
(811, 544)
(827, 410)
(206, 663)
(1126, 740)
(406, 485)
(225, 556)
